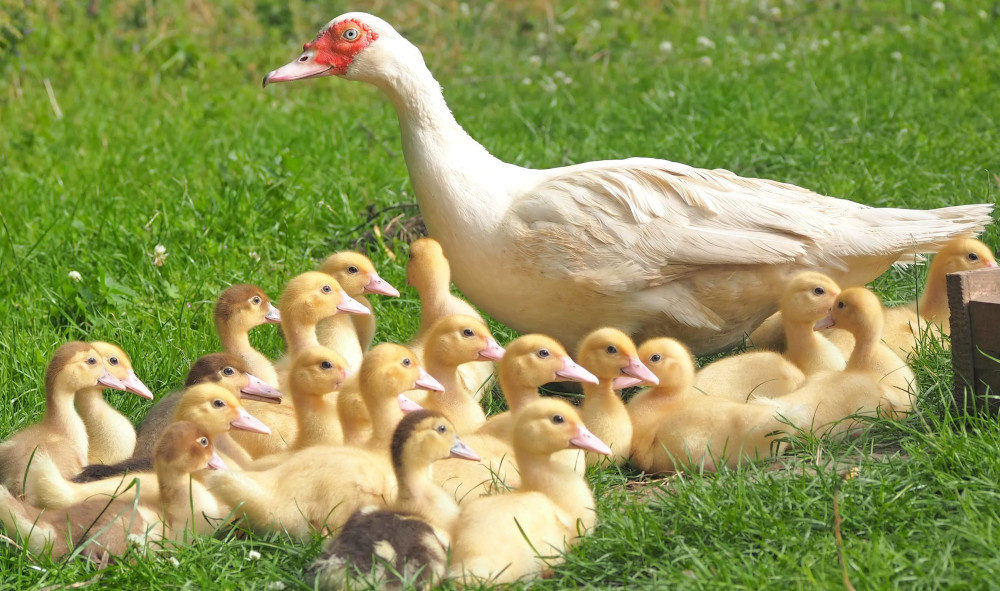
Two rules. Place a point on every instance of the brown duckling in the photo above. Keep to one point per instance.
(239, 309)
(412, 537)
(508, 537)
(75, 366)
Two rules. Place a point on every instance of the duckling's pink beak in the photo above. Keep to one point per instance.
(637, 370)
(427, 382)
(110, 381)
(259, 390)
(588, 441)
(462, 451)
(273, 315)
(492, 352)
(378, 285)
(826, 322)
(134, 385)
(992, 264)
(351, 305)
(406, 404)
(622, 382)
(574, 372)
(248, 422)
(216, 463)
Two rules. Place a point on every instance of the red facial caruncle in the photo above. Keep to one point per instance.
(337, 45)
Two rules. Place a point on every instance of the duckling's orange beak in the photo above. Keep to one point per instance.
(216, 463)
(134, 385)
(248, 422)
(351, 305)
(406, 404)
(110, 381)
(259, 390)
(574, 372)
(273, 315)
(462, 451)
(378, 285)
(492, 352)
(586, 440)
(636, 369)
(427, 382)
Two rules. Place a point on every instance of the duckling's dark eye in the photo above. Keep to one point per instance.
(612, 349)
(218, 403)
(655, 357)
(351, 34)
(543, 353)
(91, 361)
(407, 362)
(841, 305)
(819, 291)
(973, 256)
(442, 429)
(113, 360)
(352, 269)
(558, 419)
(468, 332)
(326, 365)
(326, 289)
(203, 441)
(228, 371)
(255, 300)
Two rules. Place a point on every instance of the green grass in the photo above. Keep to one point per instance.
(165, 137)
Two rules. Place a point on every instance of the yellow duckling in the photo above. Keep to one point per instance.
(508, 537)
(677, 427)
(240, 309)
(75, 366)
(412, 537)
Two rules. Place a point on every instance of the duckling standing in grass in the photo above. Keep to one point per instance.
(103, 525)
(677, 427)
(110, 435)
(609, 353)
(75, 366)
(518, 535)
(407, 544)
(806, 300)
(352, 335)
(239, 309)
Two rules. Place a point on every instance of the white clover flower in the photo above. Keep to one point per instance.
(253, 555)
(896, 56)
(526, 81)
(790, 65)
(75, 276)
(255, 257)
(705, 61)
(612, 5)
(174, 562)
(983, 15)
(775, 12)
(548, 84)
(705, 43)
(463, 9)
(274, 586)
(535, 60)
(666, 47)
(937, 7)
(159, 255)
(752, 19)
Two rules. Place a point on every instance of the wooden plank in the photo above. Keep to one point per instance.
(974, 301)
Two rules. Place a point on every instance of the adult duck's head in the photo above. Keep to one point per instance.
(356, 274)
(356, 46)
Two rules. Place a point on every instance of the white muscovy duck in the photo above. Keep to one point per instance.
(649, 246)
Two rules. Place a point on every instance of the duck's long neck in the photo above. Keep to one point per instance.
(419, 494)
(933, 303)
(61, 417)
(517, 394)
(300, 334)
(91, 405)
(385, 414)
(863, 357)
(556, 480)
(175, 496)
(318, 421)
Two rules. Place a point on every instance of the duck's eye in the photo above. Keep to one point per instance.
(819, 291)
(255, 300)
(407, 362)
(543, 353)
(841, 305)
(351, 34)
(468, 332)
(218, 403)
(558, 419)
(203, 441)
(973, 256)
(228, 371)
(442, 429)
(655, 357)
(352, 269)
(326, 365)
(612, 349)
(91, 361)
(113, 360)
(326, 289)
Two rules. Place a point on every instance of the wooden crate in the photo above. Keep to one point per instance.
(974, 300)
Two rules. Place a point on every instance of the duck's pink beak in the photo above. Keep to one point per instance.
(134, 385)
(622, 382)
(303, 67)
(273, 315)
(248, 422)
(586, 440)
(406, 404)
(427, 382)
(826, 322)
(637, 370)
(492, 352)
(574, 372)
(378, 285)
(110, 381)
(216, 463)
(259, 390)
(992, 264)
(463, 451)
(351, 305)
